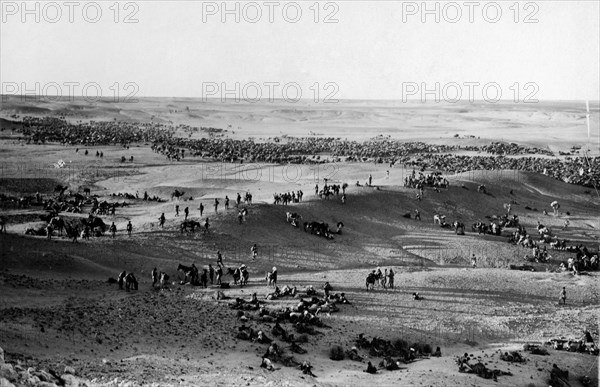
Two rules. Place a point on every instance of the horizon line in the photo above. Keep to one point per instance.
(53, 98)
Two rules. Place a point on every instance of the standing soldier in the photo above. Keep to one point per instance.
(211, 273)
(154, 277)
(186, 212)
(473, 261)
(201, 208)
(417, 215)
(121, 279)
(176, 209)
(391, 278)
(219, 259)
(113, 229)
(563, 296)
(219, 272)
(226, 202)
(161, 220)
(254, 251)
(216, 205)
(129, 228)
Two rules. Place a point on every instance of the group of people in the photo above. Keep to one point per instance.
(128, 280)
(288, 197)
(421, 180)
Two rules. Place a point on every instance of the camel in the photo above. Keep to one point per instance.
(177, 194)
(61, 189)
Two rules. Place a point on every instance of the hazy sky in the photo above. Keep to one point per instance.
(376, 50)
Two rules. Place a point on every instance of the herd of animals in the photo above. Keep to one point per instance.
(575, 170)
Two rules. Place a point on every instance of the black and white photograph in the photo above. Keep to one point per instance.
(299, 193)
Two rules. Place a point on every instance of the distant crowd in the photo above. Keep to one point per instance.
(574, 170)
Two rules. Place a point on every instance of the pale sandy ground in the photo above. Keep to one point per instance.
(184, 336)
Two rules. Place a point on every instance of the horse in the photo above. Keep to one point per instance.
(192, 224)
(131, 282)
(187, 271)
(371, 279)
(235, 273)
(57, 223)
(459, 228)
(176, 194)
